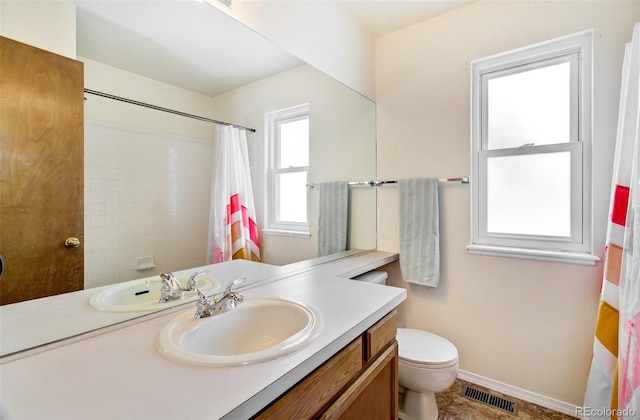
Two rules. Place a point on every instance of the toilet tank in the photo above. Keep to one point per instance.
(374, 276)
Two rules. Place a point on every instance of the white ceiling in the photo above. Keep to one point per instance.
(210, 52)
(188, 44)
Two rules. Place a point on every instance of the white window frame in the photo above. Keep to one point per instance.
(272, 122)
(577, 248)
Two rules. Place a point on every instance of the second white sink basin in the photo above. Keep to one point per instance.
(144, 295)
(256, 330)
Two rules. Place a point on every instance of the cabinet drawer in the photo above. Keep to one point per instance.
(380, 335)
(317, 390)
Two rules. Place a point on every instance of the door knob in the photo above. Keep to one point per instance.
(72, 242)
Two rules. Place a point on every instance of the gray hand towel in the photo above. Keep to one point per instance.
(419, 231)
(332, 223)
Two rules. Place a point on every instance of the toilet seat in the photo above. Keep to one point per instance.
(425, 349)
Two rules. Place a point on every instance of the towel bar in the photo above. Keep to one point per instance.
(377, 183)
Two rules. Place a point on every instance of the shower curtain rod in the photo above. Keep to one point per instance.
(377, 183)
(159, 108)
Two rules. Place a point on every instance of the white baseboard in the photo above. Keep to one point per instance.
(521, 394)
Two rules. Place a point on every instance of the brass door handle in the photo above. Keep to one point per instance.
(72, 242)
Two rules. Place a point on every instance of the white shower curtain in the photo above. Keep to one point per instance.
(613, 388)
(233, 232)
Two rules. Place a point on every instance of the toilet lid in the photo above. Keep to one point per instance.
(425, 347)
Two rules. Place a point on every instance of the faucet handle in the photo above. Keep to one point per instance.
(192, 283)
(170, 280)
(234, 283)
(203, 305)
(202, 298)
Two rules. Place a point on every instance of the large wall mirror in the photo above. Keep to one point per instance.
(148, 173)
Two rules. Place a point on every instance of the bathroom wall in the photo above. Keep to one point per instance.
(342, 148)
(47, 25)
(147, 177)
(342, 49)
(528, 324)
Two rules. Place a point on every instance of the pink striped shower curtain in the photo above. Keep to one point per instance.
(233, 232)
(613, 388)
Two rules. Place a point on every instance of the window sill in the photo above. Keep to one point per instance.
(534, 254)
(291, 233)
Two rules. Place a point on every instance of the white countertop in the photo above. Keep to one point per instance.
(29, 324)
(120, 374)
(68, 315)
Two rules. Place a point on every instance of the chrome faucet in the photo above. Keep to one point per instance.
(192, 283)
(206, 308)
(173, 290)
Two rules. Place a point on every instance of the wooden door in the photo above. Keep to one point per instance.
(41, 172)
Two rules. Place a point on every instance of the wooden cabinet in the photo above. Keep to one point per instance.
(360, 381)
(374, 395)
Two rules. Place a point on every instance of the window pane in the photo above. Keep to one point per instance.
(292, 206)
(532, 106)
(529, 194)
(294, 143)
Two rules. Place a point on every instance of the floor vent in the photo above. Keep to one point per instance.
(491, 400)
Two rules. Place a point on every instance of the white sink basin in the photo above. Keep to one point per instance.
(256, 330)
(143, 295)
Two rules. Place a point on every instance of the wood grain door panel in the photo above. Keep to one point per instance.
(41, 172)
(374, 395)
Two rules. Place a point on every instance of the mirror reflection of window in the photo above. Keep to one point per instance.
(288, 144)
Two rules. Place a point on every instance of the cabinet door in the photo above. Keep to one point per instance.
(318, 389)
(41, 172)
(374, 395)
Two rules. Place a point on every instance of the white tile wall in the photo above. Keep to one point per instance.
(146, 194)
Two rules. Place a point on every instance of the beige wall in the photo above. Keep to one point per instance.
(342, 49)
(47, 25)
(108, 79)
(525, 323)
(342, 148)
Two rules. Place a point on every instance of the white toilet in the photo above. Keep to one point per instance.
(427, 364)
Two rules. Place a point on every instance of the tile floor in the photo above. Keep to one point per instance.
(453, 406)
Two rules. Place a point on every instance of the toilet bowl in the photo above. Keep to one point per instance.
(427, 364)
